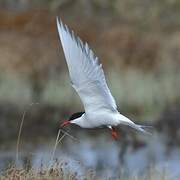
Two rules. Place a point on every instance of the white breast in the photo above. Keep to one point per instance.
(100, 118)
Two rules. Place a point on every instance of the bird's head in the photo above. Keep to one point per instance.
(70, 120)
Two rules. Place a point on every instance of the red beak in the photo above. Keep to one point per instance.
(65, 123)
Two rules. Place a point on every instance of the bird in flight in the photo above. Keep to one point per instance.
(88, 80)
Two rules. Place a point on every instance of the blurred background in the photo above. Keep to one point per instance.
(138, 43)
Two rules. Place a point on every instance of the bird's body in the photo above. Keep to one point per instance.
(97, 119)
(87, 78)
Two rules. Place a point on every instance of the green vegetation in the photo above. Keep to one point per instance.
(143, 94)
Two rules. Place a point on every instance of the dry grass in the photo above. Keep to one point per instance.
(20, 130)
(33, 174)
(57, 172)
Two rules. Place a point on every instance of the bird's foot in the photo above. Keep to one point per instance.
(114, 133)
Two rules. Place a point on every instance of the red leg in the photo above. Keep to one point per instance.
(114, 133)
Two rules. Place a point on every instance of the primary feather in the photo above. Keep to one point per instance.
(86, 74)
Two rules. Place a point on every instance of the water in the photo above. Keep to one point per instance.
(101, 154)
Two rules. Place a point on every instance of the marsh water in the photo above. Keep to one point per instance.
(101, 154)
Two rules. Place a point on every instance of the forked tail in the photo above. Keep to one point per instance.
(126, 121)
(143, 129)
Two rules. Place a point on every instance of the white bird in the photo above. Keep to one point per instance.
(88, 80)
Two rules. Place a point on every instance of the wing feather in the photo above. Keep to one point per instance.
(86, 74)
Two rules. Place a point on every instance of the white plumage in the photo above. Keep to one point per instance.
(88, 80)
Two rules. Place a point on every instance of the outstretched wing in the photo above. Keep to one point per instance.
(86, 74)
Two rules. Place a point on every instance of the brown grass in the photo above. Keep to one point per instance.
(57, 172)
(53, 173)
(20, 130)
